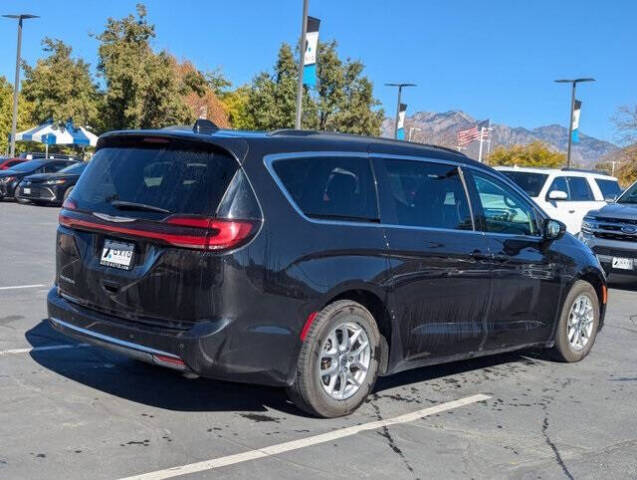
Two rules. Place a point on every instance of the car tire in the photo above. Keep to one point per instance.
(579, 320)
(310, 390)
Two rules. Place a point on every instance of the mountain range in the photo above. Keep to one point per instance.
(441, 129)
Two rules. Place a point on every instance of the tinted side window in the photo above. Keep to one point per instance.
(503, 210)
(427, 194)
(330, 187)
(560, 185)
(54, 167)
(609, 188)
(580, 190)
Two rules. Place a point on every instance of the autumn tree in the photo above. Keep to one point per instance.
(535, 154)
(61, 88)
(625, 121)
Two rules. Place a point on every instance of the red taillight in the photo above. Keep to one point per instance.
(179, 231)
(69, 204)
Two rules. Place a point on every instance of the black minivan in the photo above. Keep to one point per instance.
(312, 261)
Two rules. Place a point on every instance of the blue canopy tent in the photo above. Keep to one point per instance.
(52, 134)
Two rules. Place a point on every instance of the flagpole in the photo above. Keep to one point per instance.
(481, 142)
(299, 87)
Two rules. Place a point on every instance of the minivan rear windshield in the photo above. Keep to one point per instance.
(530, 182)
(161, 178)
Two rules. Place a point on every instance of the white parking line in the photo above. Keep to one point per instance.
(17, 351)
(303, 442)
(16, 287)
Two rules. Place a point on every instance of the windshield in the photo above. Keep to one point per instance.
(27, 166)
(168, 180)
(630, 195)
(75, 168)
(530, 182)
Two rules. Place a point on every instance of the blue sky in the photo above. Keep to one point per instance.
(493, 59)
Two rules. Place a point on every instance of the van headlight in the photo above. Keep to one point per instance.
(55, 182)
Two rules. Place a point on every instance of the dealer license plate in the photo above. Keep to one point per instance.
(117, 254)
(623, 263)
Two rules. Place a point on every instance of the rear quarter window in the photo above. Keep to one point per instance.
(177, 179)
(609, 188)
(330, 187)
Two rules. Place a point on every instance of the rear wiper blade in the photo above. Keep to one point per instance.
(122, 205)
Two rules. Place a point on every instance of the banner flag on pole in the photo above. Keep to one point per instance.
(400, 131)
(309, 56)
(576, 111)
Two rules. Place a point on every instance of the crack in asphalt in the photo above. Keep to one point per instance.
(550, 443)
(391, 442)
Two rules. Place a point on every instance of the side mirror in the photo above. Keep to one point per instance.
(558, 195)
(553, 229)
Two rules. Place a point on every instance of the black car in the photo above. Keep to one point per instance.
(312, 261)
(9, 179)
(51, 188)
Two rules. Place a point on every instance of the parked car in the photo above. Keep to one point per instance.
(52, 188)
(9, 179)
(7, 163)
(312, 261)
(566, 194)
(51, 156)
(611, 232)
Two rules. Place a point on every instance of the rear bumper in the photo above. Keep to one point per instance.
(208, 349)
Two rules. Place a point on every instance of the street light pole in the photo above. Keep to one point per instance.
(573, 83)
(299, 87)
(14, 120)
(400, 91)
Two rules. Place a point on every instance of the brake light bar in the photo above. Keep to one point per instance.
(179, 231)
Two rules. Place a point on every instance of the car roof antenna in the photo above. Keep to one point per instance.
(204, 126)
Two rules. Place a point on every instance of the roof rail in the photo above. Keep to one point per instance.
(204, 126)
(294, 132)
(583, 170)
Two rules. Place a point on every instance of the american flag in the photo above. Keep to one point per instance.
(465, 137)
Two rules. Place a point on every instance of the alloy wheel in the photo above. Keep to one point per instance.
(344, 360)
(580, 322)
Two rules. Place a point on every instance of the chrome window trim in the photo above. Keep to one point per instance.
(269, 159)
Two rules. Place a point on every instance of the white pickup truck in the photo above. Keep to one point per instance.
(566, 194)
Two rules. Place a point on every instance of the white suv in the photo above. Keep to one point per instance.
(567, 194)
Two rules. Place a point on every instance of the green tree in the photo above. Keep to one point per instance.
(61, 88)
(142, 87)
(343, 100)
(25, 111)
(535, 154)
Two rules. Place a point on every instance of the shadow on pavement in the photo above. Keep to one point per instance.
(623, 282)
(139, 382)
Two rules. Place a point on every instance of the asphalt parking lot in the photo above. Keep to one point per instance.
(76, 412)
